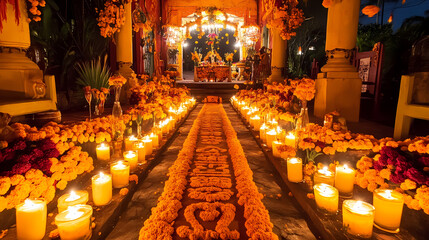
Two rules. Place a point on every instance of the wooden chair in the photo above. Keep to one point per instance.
(406, 111)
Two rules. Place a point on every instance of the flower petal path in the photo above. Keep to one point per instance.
(211, 177)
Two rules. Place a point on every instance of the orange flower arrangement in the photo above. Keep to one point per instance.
(286, 18)
(305, 90)
(112, 17)
(34, 11)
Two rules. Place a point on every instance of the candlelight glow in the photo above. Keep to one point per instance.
(72, 197)
(290, 135)
(325, 171)
(74, 213)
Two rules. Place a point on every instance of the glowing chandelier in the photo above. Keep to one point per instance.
(249, 35)
(210, 20)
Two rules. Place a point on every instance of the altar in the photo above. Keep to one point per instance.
(212, 73)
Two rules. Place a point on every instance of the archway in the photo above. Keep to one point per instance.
(208, 38)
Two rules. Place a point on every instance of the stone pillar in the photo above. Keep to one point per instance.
(180, 62)
(19, 76)
(338, 86)
(278, 56)
(124, 47)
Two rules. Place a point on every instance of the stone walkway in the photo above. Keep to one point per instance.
(288, 222)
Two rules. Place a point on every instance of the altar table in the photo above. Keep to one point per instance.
(215, 73)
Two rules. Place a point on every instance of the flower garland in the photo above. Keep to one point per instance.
(284, 16)
(112, 17)
(159, 224)
(258, 222)
(34, 11)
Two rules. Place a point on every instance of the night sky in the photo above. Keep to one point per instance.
(400, 12)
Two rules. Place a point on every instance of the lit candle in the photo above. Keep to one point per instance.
(155, 141)
(358, 218)
(271, 136)
(326, 198)
(130, 142)
(71, 199)
(120, 174)
(101, 189)
(244, 111)
(388, 206)
(255, 122)
(263, 132)
(290, 139)
(31, 219)
(276, 152)
(344, 180)
(273, 123)
(75, 223)
(148, 145)
(248, 115)
(132, 158)
(324, 176)
(103, 152)
(141, 152)
(294, 169)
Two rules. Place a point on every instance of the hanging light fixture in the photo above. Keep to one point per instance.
(249, 35)
(173, 35)
(210, 20)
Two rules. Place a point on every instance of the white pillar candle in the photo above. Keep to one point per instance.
(75, 223)
(344, 180)
(294, 169)
(132, 158)
(290, 139)
(263, 132)
(148, 145)
(255, 122)
(388, 206)
(155, 140)
(271, 136)
(31, 219)
(358, 218)
(276, 152)
(141, 152)
(71, 199)
(324, 176)
(326, 198)
(103, 152)
(120, 174)
(101, 189)
(130, 143)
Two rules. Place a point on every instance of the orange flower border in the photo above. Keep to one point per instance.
(159, 224)
(258, 222)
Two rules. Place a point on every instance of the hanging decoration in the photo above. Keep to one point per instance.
(112, 17)
(370, 10)
(285, 16)
(141, 21)
(390, 20)
(327, 3)
(33, 7)
(173, 35)
(210, 20)
(34, 12)
(249, 35)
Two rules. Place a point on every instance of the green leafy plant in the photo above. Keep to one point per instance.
(312, 155)
(94, 73)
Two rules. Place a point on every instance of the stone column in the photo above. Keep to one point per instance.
(278, 56)
(180, 62)
(338, 86)
(19, 76)
(124, 47)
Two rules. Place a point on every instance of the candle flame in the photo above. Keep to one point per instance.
(73, 213)
(130, 154)
(28, 203)
(294, 160)
(325, 171)
(272, 132)
(263, 126)
(72, 197)
(132, 138)
(290, 135)
(103, 146)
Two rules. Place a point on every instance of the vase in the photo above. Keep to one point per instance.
(96, 110)
(118, 126)
(303, 119)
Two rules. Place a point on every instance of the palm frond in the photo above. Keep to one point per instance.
(94, 73)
